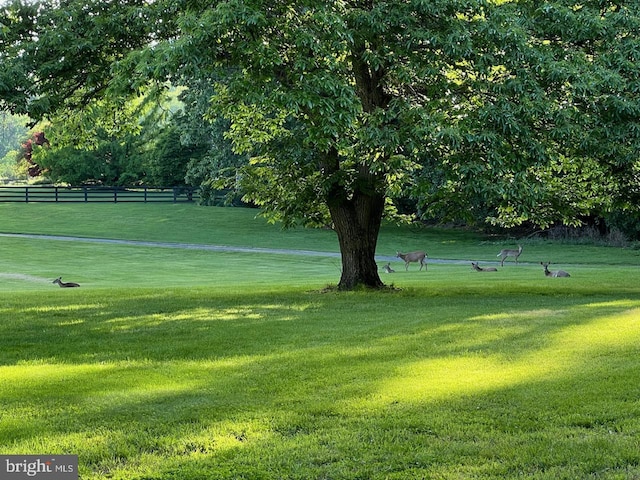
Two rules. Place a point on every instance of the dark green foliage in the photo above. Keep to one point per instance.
(167, 159)
(59, 56)
(111, 162)
(550, 124)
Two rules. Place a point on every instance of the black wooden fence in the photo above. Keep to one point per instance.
(47, 193)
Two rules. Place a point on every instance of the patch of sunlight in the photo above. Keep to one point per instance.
(134, 323)
(203, 314)
(223, 362)
(118, 378)
(441, 378)
(35, 370)
(229, 441)
(447, 377)
(225, 314)
(228, 434)
(61, 308)
(91, 443)
(611, 331)
(614, 304)
(70, 322)
(526, 315)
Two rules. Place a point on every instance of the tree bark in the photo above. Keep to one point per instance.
(357, 224)
(357, 217)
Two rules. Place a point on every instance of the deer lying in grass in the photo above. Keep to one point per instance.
(413, 257)
(477, 268)
(65, 284)
(506, 252)
(556, 273)
(387, 268)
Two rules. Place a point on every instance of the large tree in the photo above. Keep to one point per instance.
(342, 105)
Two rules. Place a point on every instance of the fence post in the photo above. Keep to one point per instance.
(56, 193)
(26, 194)
(86, 194)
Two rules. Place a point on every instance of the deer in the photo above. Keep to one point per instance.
(506, 252)
(477, 268)
(551, 273)
(413, 257)
(65, 284)
(387, 268)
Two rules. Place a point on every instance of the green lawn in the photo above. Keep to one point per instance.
(191, 364)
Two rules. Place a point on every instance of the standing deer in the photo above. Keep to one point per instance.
(505, 252)
(65, 284)
(387, 268)
(480, 269)
(413, 257)
(556, 273)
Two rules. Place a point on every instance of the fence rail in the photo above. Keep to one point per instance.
(46, 193)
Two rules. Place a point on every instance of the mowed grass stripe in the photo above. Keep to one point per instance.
(243, 227)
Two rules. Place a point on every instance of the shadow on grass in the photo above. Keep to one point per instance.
(195, 385)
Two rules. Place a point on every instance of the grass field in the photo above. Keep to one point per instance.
(192, 364)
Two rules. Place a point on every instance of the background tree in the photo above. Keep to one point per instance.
(219, 161)
(99, 144)
(118, 142)
(13, 131)
(167, 160)
(343, 106)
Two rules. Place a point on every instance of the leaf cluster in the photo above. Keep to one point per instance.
(59, 55)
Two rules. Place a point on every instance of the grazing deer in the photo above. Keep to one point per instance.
(505, 252)
(413, 257)
(65, 284)
(387, 268)
(556, 273)
(480, 269)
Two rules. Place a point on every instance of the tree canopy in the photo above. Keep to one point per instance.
(523, 110)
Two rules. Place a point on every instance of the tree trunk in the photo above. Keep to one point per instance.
(357, 217)
(357, 223)
(357, 209)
